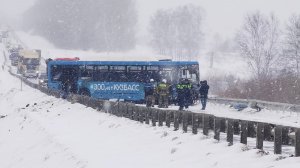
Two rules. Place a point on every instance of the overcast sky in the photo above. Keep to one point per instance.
(221, 16)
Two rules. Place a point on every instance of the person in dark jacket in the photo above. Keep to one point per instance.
(184, 93)
(150, 93)
(204, 87)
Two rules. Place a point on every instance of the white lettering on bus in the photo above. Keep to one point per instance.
(118, 87)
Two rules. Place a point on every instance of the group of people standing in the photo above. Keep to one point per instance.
(161, 92)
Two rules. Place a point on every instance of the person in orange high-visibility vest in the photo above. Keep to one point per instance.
(163, 94)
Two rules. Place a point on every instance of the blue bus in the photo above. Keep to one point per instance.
(122, 80)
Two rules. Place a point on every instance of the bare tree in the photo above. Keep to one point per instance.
(258, 42)
(292, 43)
(178, 32)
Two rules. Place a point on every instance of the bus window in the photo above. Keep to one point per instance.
(55, 72)
(101, 73)
(117, 74)
(190, 72)
(135, 74)
(168, 74)
(86, 71)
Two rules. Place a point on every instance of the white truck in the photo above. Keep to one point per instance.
(29, 63)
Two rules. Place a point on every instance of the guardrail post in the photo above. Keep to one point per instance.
(160, 118)
(205, 124)
(176, 120)
(244, 132)
(297, 142)
(200, 120)
(130, 107)
(230, 131)
(168, 118)
(153, 115)
(122, 108)
(135, 113)
(100, 105)
(217, 126)
(184, 121)
(119, 109)
(260, 135)
(113, 108)
(278, 140)
(189, 118)
(223, 125)
(285, 136)
(251, 129)
(141, 114)
(147, 115)
(211, 122)
(195, 123)
(236, 127)
(268, 132)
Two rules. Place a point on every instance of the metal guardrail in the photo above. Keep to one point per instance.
(262, 104)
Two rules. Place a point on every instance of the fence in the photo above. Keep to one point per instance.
(262, 104)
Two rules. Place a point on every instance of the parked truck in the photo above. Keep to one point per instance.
(29, 63)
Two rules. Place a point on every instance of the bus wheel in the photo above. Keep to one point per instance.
(85, 93)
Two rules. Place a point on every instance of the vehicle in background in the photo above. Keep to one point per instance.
(124, 80)
(42, 79)
(14, 58)
(29, 62)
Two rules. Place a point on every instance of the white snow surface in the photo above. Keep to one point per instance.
(43, 131)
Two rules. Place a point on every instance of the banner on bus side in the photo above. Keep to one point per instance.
(117, 90)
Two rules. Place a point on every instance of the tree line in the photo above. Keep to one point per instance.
(103, 25)
(273, 55)
(177, 32)
(110, 25)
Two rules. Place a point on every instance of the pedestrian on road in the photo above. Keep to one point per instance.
(204, 87)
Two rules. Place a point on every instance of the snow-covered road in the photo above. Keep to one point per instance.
(42, 131)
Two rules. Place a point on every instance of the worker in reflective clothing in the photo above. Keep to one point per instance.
(184, 88)
(163, 94)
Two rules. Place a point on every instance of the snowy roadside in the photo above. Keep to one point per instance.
(52, 132)
(276, 117)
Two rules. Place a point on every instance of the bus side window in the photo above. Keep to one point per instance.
(135, 74)
(117, 74)
(86, 71)
(101, 73)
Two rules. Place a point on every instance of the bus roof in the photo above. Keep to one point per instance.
(67, 59)
(123, 63)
